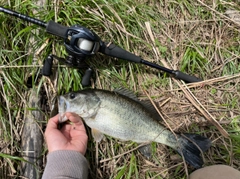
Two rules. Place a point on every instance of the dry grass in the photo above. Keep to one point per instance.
(197, 37)
(182, 116)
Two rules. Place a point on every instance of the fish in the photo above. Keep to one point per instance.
(121, 115)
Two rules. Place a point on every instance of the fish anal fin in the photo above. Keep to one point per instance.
(146, 151)
(97, 135)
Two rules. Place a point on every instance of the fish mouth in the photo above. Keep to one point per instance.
(62, 109)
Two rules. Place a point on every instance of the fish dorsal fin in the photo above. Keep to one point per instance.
(146, 103)
(127, 93)
(149, 106)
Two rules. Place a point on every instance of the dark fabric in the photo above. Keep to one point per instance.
(64, 164)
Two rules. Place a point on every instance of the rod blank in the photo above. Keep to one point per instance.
(24, 17)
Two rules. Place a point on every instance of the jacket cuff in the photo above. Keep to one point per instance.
(66, 164)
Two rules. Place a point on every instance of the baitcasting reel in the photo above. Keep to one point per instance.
(81, 43)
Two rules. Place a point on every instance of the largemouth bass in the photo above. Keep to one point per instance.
(123, 116)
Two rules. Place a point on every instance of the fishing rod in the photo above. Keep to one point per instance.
(81, 43)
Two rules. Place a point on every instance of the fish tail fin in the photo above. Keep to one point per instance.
(190, 146)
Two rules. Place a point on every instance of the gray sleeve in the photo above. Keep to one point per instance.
(64, 164)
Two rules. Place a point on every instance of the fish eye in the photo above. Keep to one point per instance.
(72, 95)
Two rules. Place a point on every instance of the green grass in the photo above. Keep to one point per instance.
(188, 36)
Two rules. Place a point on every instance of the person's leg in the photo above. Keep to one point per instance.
(216, 172)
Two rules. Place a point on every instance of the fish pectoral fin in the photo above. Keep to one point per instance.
(97, 135)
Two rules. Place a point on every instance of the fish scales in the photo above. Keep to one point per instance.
(125, 118)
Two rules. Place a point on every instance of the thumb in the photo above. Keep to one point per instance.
(74, 118)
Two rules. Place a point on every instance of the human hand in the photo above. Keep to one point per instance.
(69, 137)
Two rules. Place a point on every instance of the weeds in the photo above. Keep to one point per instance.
(191, 36)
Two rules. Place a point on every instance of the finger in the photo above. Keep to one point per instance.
(53, 123)
(66, 128)
(74, 118)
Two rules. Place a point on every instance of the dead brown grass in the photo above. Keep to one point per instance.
(210, 108)
(182, 116)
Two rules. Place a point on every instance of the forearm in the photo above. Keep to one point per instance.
(64, 164)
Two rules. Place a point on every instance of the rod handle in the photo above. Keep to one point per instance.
(185, 77)
(117, 52)
(47, 67)
(56, 29)
(86, 77)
